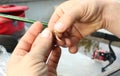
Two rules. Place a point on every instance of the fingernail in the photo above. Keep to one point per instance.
(58, 26)
(46, 33)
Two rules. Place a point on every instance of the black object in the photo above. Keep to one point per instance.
(9, 42)
(110, 56)
(107, 56)
(105, 36)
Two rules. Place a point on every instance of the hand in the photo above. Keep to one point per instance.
(30, 57)
(75, 19)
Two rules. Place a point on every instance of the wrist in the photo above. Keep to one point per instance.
(112, 17)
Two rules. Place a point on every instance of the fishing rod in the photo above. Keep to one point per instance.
(22, 19)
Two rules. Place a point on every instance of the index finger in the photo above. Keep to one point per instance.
(26, 41)
(54, 18)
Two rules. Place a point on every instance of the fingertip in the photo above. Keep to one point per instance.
(38, 23)
(35, 28)
(64, 22)
(46, 33)
(59, 27)
(73, 49)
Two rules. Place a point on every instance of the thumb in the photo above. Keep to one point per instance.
(64, 23)
(42, 44)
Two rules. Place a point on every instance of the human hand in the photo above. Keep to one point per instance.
(75, 19)
(30, 57)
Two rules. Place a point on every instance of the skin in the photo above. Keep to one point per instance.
(71, 21)
(30, 57)
(76, 19)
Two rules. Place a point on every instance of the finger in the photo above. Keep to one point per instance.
(68, 42)
(73, 49)
(64, 22)
(42, 45)
(26, 41)
(61, 43)
(54, 58)
(74, 45)
(54, 18)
